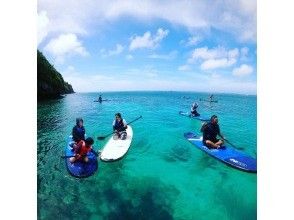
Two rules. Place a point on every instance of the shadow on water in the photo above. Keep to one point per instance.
(235, 206)
(178, 153)
(126, 198)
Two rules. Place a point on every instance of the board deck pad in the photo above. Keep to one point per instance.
(116, 149)
(187, 114)
(80, 169)
(225, 154)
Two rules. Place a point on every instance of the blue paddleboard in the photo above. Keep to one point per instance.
(193, 117)
(225, 154)
(80, 169)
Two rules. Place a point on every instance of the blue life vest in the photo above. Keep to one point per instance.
(119, 125)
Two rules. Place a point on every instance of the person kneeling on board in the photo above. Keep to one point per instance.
(78, 131)
(81, 149)
(210, 131)
(119, 127)
(194, 110)
(100, 98)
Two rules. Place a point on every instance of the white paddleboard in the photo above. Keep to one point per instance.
(116, 149)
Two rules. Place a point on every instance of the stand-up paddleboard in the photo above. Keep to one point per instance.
(205, 100)
(80, 169)
(187, 114)
(225, 154)
(116, 149)
(103, 100)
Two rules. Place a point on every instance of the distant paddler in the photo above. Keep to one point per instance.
(210, 98)
(194, 112)
(100, 99)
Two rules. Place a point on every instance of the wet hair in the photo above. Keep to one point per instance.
(89, 141)
(118, 115)
(213, 117)
(78, 120)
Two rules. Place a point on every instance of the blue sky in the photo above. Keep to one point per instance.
(207, 46)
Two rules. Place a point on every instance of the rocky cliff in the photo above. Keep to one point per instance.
(50, 83)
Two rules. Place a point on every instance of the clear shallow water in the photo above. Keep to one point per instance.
(162, 176)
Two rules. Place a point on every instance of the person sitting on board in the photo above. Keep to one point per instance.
(119, 127)
(78, 131)
(81, 149)
(210, 131)
(210, 98)
(100, 98)
(194, 112)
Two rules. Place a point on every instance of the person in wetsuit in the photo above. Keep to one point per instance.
(194, 112)
(78, 131)
(210, 132)
(100, 99)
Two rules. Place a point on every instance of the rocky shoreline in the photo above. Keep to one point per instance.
(50, 83)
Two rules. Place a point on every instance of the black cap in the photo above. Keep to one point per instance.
(89, 141)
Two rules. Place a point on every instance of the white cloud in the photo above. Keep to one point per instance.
(244, 53)
(243, 70)
(204, 53)
(147, 40)
(43, 22)
(169, 56)
(214, 58)
(129, 57)
(184, 68)
(193, 41)
(118, 50)
(235, 17)
(65, 45)
(217, 63)
(196, 82)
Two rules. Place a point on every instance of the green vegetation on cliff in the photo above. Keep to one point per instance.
(49, 81)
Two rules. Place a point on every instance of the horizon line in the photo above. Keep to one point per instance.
(183, 91)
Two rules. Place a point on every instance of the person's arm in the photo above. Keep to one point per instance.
(78, 147)
(74, 133)
(125, 124)
(113, 125)
(84, 132)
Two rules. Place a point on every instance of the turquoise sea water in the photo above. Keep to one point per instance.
(162, 176)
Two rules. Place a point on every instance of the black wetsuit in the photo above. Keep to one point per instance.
(210, 132)
(194, 111)
(78, 133)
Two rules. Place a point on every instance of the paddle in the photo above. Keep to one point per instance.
(103, 137)
(239, 148)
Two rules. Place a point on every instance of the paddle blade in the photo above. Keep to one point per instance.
(100, 138)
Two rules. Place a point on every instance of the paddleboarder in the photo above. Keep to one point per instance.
(211, 97)
(81, 149)
(78, 131)
(100, 99)
(210, 131)
(119, 127)
(194, 110)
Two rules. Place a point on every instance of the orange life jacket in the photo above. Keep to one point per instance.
(82, 150)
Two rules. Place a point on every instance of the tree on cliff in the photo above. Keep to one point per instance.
(50, 83)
